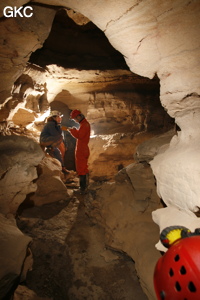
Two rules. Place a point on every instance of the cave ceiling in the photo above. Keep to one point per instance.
(83, 47)
(76, 65)
(75, 43)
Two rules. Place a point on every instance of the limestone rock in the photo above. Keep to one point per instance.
(23, 117)
(50, 225)
(19, 158)
(12, 253)
(49, 222)
(150, 148)
(23, 293)
(112, 152)
(178, 173)
(50, 187)
(143, 183)
(124, 209)
(15, 32)
(126, 111)
(77, 17)
(154, 39)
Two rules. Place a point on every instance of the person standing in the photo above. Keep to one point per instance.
(82, 152)
(51, 137)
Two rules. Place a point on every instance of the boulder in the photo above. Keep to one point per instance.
(50, 187)
(19, 158)
(13, 253)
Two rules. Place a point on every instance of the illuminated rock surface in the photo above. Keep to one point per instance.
(71, 64)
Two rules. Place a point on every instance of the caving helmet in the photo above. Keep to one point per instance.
(55, 113)
(177, 272)
(75, 113)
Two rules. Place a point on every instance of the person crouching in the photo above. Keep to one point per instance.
(51, 138)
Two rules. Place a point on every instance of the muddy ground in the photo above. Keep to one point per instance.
(71, 261)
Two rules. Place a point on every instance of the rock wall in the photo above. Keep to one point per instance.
(14, 255)
(111, 153)
(15, 32)
(154, 43)
(124, 209)
(118, 104)
(155, 37)
(19, 158)
(28, 177)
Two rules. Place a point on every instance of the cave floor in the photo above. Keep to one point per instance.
(71, 260)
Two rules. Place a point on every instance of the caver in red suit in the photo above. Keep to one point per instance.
(82, 151)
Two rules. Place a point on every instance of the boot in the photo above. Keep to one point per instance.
(87, 180)
(83, 182)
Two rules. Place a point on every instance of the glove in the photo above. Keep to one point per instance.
(65, 128)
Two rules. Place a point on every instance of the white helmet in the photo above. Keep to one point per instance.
(55, 113)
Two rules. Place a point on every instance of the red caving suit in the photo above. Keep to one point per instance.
(82, 151)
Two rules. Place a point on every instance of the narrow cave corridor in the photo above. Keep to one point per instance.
(78, 68)
(112, 274)
(132, 68)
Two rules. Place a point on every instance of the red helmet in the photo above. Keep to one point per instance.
(177, 272)
(75, 113)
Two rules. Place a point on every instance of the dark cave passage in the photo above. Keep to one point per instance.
(84, 47)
